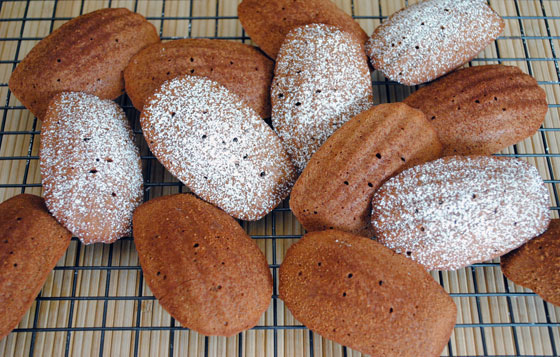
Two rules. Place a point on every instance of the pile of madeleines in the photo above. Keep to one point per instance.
(415, 175)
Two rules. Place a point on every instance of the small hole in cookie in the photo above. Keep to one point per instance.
(164, 277)
(245, 157)
(93, 171)
(495, 98)
(433, 117)
(168, 73)
(173, 114)
(380, 282)
(504, 109)
(445, 9)
(196, 245)
(474, 196)
(318, 91)
(346, 183)
(223, 142)
(409, 253)
(443, 27)
(540, 247)
(344, 294)
(11, 252)
(350, 276)
(298, 104)
(158, 273)
(235, 140)
(417, 47)
(378, 155)
(230, 62)
(18, 219)
(392, 45)
(300, 273)
(314, 212)
(97, 160)
(477, 101)
(403, 159)
(422, 24)
(391, 310)
(192, 71)
(422, 229)
(204, 136)
(515, 223)
(113, 194)
(87, 139)
(280, 95)
(15, 265)
(58, 80)
(370, 184)
(192, 59)
(319, 264)
(6, 241)
(263, 174)
(416, 210)
(58, 60)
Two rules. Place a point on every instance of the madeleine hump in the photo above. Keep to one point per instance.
(90, 167)
(218, 146)
(267, 22)
(201, 265)
(356, 292)
(535, 264)
(431, 38)
(31, 243)
(337, 185)
(321, 81)
(86, 54)
(482, 109)
(241, 68)
(460, 210)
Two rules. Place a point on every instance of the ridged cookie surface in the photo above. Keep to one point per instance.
(460, 210)
(201, 265)
(428, 39)
(87, 54)
(31, 243)
(360, 294)
(241, 68)
(482, 109)
(535, 264)
(321, 80)
(336, 187)
(218, 146)
(90, 167)
(267, 22)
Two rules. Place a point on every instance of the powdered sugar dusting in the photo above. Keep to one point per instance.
(431, 38)
(321, 80)
(91, 169)
(457, 211)
(218, 146)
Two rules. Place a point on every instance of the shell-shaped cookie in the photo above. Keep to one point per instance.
(90, 167)
(31, 243)
(535, 264)
(241, 68)
(218, 146)
(360, 294)
(201, 265)
(321, 80)
(86, 54)
(336, 187)
(482, 109)
(267, 22)
(426, 40)
(460, 210)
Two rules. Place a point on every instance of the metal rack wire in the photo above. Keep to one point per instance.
(155, 185)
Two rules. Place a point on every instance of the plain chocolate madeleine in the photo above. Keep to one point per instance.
(31, 243)
(241, 68)
(267, 22)
(360, 294)
(336, 187)
(201, 265)
(535, 264)
(482, 109)
(86, 54)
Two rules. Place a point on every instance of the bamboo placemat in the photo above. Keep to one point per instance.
(96, 303)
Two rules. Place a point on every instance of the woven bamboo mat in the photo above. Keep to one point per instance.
(96, 303)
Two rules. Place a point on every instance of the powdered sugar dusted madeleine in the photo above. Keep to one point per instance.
(268, 21)
(460, 210)
(357, 292)
(321, 80)
(482, 109)
(90, 167)
(241, 68)
(218, 146)
(428, 39)
(86, 54)
(201, 265)
(336, 187)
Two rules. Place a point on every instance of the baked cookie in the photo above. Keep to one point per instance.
(431, 38)
(321, 80)
(201, 265)
(218, 146)
(356, 292)
(267, 22)
(31, 243)
(336, 187)
(535, 264)
(90, 167)
(482, 109)
(241, 68)
(460, 210)
(86, 54)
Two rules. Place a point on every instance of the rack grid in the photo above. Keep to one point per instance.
(96, 302)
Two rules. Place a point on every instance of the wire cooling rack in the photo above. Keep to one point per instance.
(96, 301)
